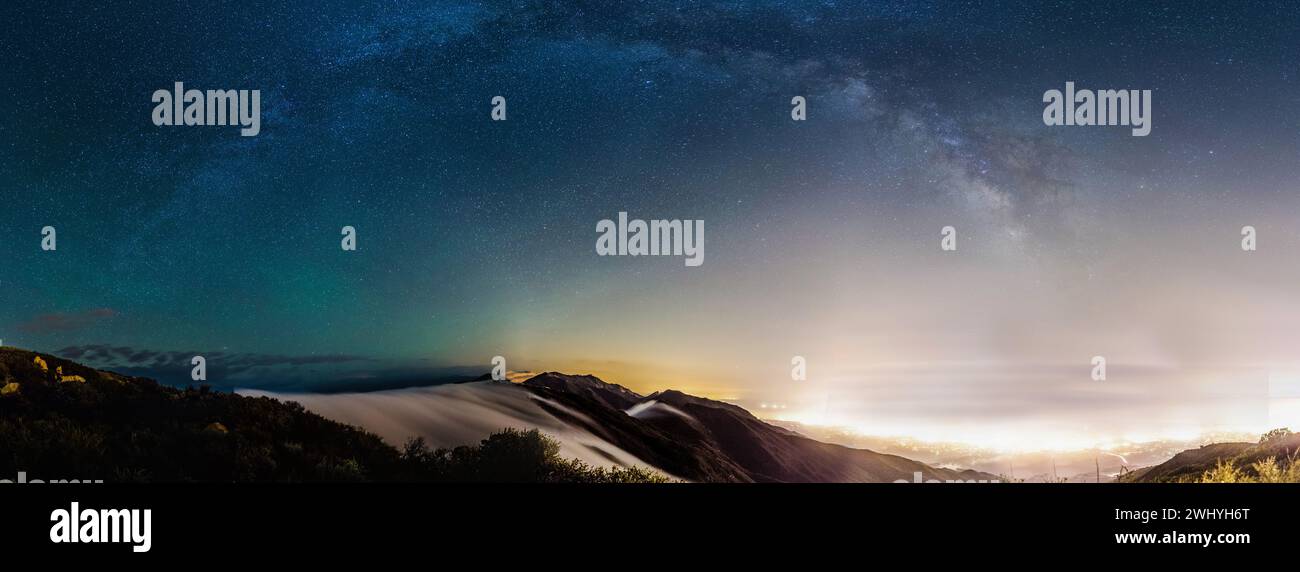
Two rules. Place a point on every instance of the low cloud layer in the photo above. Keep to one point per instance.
(63, 322)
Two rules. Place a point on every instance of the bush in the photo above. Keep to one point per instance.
(1267, 470)
(1274, 436)
(512, 456)
(1225, 472)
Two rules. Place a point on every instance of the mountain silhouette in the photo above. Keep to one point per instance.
(63, 420)
(705, 440)
(1280, 446)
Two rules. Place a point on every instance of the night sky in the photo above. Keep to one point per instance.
(476, 238)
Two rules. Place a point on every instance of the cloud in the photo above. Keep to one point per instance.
(60, 322)
(107, 356)
(279, 372)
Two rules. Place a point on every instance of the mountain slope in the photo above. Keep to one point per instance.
(609, 426)
(62, 420)
(702, 439)
(1188, 464)
(1192, 464)
(451, 415)
(590, 386)
(66, 421)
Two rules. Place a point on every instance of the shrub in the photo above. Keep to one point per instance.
(516, 456)
(1225, 472)
(1274, 436)
(1267, 471)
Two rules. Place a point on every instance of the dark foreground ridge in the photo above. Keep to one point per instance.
(60, 420)
(704, 440)
(1272, 460)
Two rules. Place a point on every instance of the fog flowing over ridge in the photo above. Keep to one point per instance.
(459, 414)
(605, 424)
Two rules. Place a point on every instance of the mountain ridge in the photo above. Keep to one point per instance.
(725, 442)
(143, 430)
(1192, 465)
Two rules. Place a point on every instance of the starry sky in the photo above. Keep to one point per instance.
(476, 238)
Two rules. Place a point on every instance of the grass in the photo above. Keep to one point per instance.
(1278, 467)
